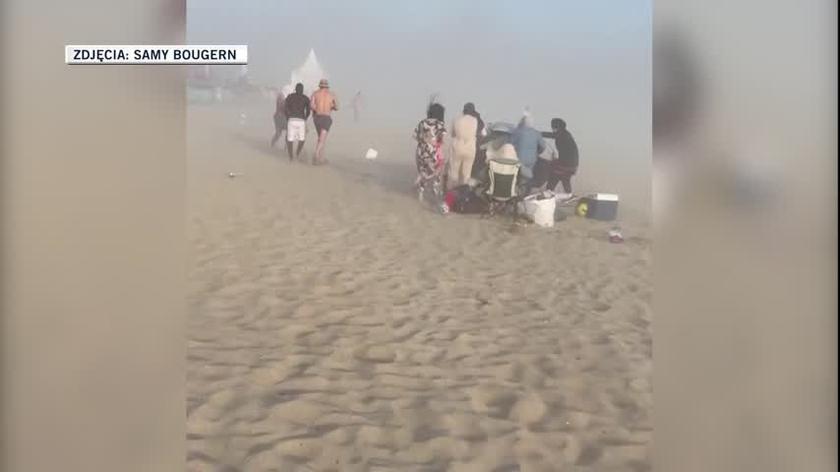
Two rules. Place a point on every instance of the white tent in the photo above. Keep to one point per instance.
(309, 74)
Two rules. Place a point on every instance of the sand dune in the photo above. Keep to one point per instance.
(336, 325)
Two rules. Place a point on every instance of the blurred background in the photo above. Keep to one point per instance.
(93, 180)
(745, 200)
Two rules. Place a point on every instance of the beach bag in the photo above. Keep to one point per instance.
(540, 208)
(462, 199)
(450, 199)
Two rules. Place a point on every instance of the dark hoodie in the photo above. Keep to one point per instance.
(567, 150)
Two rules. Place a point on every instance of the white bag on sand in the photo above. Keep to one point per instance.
(541, 212)
(371, 154)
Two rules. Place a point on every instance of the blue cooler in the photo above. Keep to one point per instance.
(599, 206)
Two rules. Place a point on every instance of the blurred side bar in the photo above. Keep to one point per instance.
(92, 243)
(745, 194)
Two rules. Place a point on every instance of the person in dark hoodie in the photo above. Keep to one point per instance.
(564, 166)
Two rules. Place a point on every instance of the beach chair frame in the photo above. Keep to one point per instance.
(503, 191)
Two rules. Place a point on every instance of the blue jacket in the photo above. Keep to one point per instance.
(529, 144)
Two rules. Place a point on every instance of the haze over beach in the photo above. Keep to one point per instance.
(336, 324)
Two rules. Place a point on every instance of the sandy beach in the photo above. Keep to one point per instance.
(335, 324)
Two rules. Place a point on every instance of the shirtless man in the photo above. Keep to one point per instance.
(323, 104)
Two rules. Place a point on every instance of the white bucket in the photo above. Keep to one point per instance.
(541, 212)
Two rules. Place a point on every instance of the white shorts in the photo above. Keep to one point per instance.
(295, 130)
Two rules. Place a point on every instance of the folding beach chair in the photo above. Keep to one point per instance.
(502, 193)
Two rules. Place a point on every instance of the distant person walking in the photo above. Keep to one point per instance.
(280, 121)
(565, 165)
(323, 104)
(465, 132)
(297, 112)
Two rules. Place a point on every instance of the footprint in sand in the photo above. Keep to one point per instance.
(272, 375)
(375, 436)
(376, 353)
(299, 450)
(640, 384)
(464, 426)
(339, 436)
(300, 412)
(492, 401)
(575, 421)
(529, 410)
(601, 307)
(581, 453)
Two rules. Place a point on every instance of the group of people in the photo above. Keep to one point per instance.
(471, 141)
(294, 109)
(467, 131)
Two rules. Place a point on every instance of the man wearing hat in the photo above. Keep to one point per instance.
(323, 104)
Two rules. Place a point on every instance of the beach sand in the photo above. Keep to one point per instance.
(335, 324)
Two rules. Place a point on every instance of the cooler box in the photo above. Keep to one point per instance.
(599, 206)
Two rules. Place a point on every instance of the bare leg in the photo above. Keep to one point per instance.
(300, 147)
(278, 132)
(319, 147)
(290, 147)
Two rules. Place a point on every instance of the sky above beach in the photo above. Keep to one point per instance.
(586, 61)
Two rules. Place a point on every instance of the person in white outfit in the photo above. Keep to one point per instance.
(465, 132)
